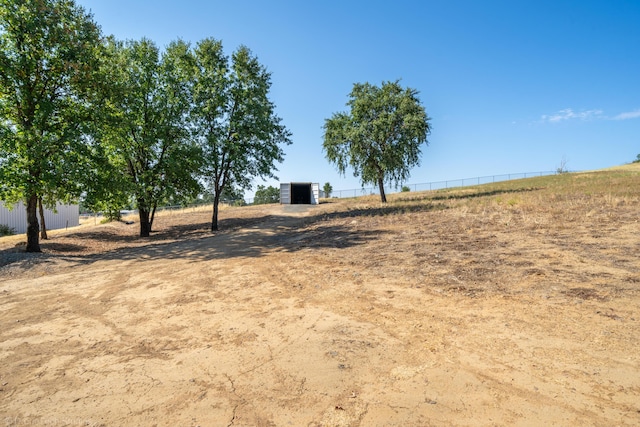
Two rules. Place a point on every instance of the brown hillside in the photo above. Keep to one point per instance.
(515, 303)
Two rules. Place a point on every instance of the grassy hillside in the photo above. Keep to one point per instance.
(514, 303)
(566, 197)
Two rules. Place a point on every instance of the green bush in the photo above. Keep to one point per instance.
(5, 230)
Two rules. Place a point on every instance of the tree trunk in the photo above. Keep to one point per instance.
(153, 215)
(214, 219)
(33, 229)
(43, 229)
(145, 225)
(383, 196)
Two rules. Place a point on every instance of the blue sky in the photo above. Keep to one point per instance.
(511, 86)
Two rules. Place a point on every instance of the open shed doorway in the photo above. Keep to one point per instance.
(300, 194)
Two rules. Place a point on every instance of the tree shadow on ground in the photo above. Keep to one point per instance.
(239, 237)
(408, 206)
(226, 225)
(102, 236)
(60, 247)
(243, 243)
(487, 193)
(253, 237)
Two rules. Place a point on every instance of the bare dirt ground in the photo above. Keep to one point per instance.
(481, 308)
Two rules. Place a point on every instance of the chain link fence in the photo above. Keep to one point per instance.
(438, 185)
(425, 186)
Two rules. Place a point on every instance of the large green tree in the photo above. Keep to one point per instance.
(234, 120)
(146, 134)
(48, 56)
(265, 195)
(381, 135)
(108, 188)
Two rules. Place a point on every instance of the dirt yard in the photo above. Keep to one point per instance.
(478, 308)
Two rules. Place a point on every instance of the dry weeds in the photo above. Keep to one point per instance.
(507, 304)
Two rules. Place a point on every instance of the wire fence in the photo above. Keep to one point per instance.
(425, 186)
(170, 208)
(438, 185)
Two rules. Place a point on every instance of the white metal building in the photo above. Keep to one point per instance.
(299, 193)
(65, 216)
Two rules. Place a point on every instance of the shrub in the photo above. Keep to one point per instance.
(5, 230)
(405, 189)
(562, 168)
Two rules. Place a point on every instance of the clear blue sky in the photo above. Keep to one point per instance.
(511, 86)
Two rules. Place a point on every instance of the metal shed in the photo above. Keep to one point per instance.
(65, 216)
(299, 193)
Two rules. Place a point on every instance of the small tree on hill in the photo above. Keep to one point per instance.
(562, 168)
(328, 189)
(381, 135)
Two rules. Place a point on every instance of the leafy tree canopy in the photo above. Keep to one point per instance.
(380, 136)
(48, 57)
(328, 189)
(123, 122)
(265, 195)
(146, 134)
(233, 119)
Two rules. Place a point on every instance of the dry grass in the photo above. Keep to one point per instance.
(514, 303)
(480, 233)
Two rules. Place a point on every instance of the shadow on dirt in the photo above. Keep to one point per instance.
(389, 209)
(60, 247)
(487, 193)
(239, 237)
(274, 233)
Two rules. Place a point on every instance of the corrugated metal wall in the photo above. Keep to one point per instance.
(285, 193)
(66, 216)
